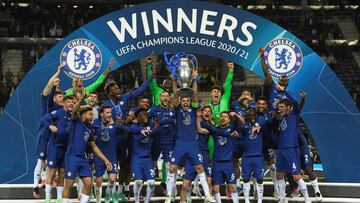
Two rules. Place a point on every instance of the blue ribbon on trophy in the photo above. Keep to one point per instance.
(182, 66)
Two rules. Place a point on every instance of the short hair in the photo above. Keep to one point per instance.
(217, 87)
(262, 97)
(207, 107)
(246, 89)
(139, 111)
(85, 108)
(108, 85)
(103, 107)
(181, 98)
(286, 102)
(143, 97)
(249, 111)
(227, 112)
(164, 92)
(68, 97)
(58, 92)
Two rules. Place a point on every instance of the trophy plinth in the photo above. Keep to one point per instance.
(185, 92)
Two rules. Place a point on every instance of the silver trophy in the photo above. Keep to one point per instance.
(182, 66)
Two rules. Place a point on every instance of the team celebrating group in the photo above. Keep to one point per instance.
(214, 144)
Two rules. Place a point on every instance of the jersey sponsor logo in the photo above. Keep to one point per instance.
(283, 57)
(82, 58)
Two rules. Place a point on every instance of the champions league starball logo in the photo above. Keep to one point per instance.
(82, 58)
(283, 57)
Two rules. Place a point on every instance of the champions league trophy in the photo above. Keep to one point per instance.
(182, 66)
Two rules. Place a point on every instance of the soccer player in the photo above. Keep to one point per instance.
(118, 103)
(190, 172)
(77, 84)
(156, 90)
(81, 136)
(240, 107)
(305, 158)
(141, 161)
(287, 157)
(43, 137)
(186, 145)
(276, 89)
(223, 166)
(253, 160)
(269, 155)
(58, 121)
(163, 142)
(220, 102)
(106, 138)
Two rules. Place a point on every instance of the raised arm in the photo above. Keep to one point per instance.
(195, 88)
(154, 87)
(302, 100)
(176, 99)
(296, 105)
(74, 112)
(264, 67)
(228, 83)
(131, 129)
(50, 83)
(139, 90)
(91, 88)
(237, 117)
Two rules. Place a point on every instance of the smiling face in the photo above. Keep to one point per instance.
(93, 99)
(142, 117)
(261, 106)
(144, 103)
(114, 91)
(245, 94)
(185, 103)
(251, 116)
(164, 99)
(224, 119)
(284, 81)
(206, 113)
(215, 95)
(106, 115)
(87, 117)
(58, 98)
(68, 104)
(284, 107)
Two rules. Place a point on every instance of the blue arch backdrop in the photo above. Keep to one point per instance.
(233, 34)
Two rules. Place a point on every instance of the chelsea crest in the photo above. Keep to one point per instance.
(283, 57)
(82, 58)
